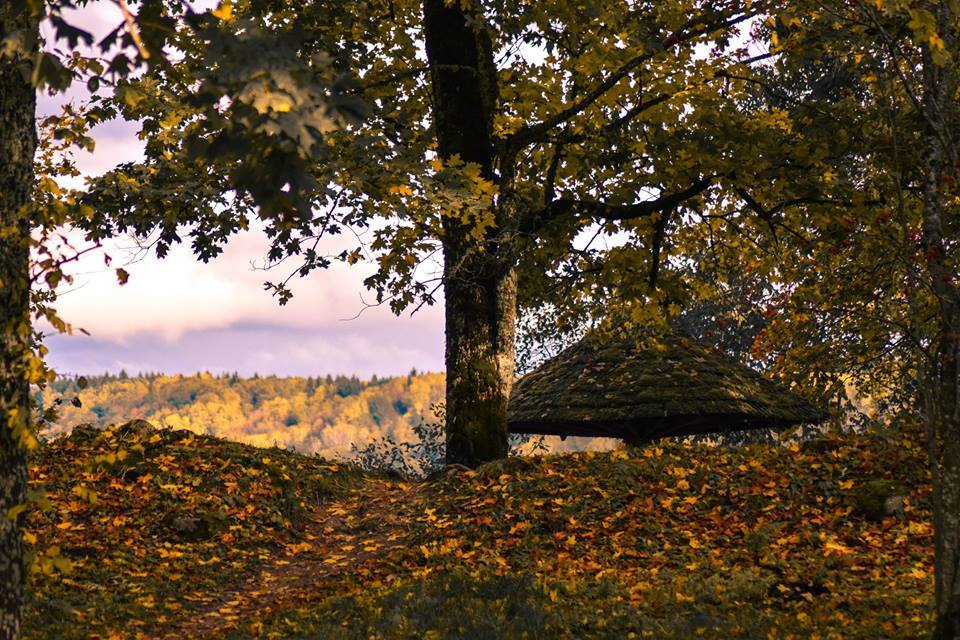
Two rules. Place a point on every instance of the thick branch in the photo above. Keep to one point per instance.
(659, 231)
(615, 126)
(566, 206)
(767, 214)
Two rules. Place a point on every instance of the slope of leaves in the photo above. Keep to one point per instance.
(670, 541)
(139, 524)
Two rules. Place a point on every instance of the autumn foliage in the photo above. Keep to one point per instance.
(323, 415)
(670, 541)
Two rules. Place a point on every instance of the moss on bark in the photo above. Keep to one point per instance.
(644, 387)
(479, 279)
(17, 147)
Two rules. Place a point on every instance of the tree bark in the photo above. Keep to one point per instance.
(17, 147)
(480, 363)
(943, 417)
(943, 423)
(942, 405)
(479, 275)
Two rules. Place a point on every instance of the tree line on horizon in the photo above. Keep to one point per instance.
(334, 416)
(322, 415)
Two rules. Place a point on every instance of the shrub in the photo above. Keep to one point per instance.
(416, 459)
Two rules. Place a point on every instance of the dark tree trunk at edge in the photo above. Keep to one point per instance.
(17, 146)
(942, 405)
(943, 408)
(479, 278)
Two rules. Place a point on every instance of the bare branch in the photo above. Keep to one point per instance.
(566, 206)
(134, 30)
(537, 132)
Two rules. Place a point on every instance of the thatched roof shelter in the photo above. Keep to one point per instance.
(649, 388)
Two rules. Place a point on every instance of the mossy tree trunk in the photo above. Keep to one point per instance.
(17, 146)
(943, 407)
(479, 276)
(943, 430)
(940, 168)
(479, 361)
(944, 425)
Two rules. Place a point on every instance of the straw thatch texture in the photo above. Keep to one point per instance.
(649, 388)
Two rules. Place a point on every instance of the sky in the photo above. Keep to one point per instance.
(178, 315)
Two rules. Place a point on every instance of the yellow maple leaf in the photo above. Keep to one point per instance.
(224, 10)
(401, 189)
(837, 547)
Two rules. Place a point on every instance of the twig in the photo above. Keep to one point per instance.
(134, 30)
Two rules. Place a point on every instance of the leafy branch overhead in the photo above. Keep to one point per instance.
(237, 110)
(622, 118)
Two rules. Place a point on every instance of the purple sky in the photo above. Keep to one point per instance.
(180, 316)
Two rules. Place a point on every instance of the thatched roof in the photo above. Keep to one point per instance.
(649, 388)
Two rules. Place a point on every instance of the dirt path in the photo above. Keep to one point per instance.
(343, 537)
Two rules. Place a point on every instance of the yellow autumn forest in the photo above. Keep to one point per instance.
(323, 415)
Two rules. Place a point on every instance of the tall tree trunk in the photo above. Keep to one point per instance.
(943, 404)
(943, 413)
(943, 428)
(943, 425)
(481, 312)
(17, 146)
(479, 276)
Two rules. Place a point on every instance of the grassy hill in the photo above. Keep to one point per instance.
(169, 534)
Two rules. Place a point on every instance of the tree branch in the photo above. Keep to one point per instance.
(567, 206)
(659, 232)
(552, 175)
(766, 214)
(537, 132)
(615, 125)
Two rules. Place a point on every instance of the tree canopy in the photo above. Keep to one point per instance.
(787, 168)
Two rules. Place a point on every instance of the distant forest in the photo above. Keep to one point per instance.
(323, 415)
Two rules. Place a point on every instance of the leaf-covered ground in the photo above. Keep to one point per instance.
(670, 541)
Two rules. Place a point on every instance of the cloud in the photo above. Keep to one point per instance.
(263, 349)
(179, 294)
